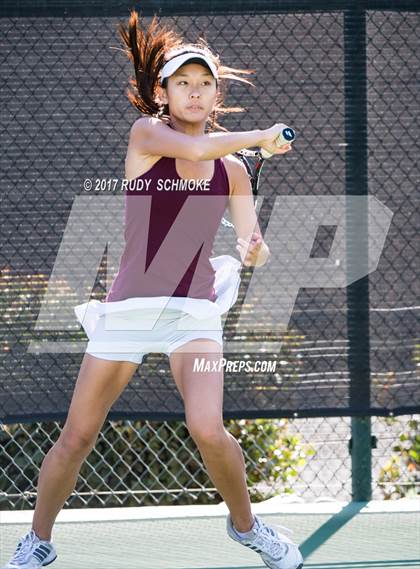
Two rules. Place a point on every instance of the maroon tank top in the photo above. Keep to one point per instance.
(169, 228)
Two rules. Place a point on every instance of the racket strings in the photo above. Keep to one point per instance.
(253, 169)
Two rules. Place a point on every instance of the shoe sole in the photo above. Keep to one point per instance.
(298, 567)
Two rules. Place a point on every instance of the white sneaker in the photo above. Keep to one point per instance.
(276, 550)
(32, 553)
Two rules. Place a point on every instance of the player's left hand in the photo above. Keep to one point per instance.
(253, 250)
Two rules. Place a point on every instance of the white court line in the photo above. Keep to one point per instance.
(275, 505)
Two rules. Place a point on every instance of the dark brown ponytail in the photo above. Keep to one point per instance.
(150, 49)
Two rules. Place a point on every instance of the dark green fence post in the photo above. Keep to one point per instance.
(357, 246)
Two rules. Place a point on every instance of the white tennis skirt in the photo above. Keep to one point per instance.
(129, 329)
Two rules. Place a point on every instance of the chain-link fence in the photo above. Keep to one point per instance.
(143, 463)
(65, 118)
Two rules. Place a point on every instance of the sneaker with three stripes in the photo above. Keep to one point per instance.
(32, 553)
(276, 550)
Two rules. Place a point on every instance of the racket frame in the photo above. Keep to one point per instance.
(253, 171)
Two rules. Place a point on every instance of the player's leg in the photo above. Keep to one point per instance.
(203, 397)
(99, 384)
(202, 393)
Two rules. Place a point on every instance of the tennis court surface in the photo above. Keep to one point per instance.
(332, 535)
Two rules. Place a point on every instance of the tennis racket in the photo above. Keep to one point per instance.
(254, 160)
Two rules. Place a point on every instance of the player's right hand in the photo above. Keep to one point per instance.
(268, 141)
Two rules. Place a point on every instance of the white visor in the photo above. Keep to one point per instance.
(172, 65)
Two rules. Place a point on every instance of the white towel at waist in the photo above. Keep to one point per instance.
(226, 285)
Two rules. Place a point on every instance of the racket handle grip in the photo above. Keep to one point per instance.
(287, 135)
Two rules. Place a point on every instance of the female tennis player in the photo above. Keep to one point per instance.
(175, 307)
